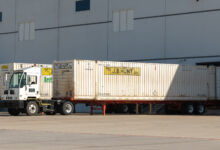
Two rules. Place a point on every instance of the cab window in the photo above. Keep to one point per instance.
(32, 80)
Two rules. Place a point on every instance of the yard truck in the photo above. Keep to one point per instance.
(116, 86)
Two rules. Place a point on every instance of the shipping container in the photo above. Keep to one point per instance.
(126, 81)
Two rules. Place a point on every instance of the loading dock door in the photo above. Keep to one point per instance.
(218, 82)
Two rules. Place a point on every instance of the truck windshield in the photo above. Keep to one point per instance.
(16, 79)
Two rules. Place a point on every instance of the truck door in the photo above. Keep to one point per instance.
(32, 89)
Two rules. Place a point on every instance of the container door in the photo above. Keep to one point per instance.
(218, 82)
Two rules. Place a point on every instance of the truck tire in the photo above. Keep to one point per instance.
(32, 108)
(67, 108)
(13, 112)
(200, 109)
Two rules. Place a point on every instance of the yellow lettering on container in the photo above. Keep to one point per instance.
(47, 71)
(129, 71)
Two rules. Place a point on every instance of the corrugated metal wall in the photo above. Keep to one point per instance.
(163, 30)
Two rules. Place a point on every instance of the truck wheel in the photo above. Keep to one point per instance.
(189, 109)
(200, 109)
(67, 108)
(13, 112)
(32, 108)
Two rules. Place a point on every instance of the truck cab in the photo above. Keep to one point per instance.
(24, 85)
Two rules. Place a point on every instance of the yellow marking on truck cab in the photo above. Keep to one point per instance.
(130, 71)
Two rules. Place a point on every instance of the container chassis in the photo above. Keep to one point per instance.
(33, 107)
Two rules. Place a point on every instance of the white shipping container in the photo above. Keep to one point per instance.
(105, 80)
(6, 71)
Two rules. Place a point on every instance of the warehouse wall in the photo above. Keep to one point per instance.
(170, 31)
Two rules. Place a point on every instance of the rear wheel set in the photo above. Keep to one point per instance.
(197, 108)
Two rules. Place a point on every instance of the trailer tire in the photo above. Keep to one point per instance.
(13, 112)
(67, 108)
(32, 108)
(125, 109)
(188, 109)
(200, 109)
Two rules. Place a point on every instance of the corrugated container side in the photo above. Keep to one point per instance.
(218, 82)
(84, 79)
(119, 81)
(105, 80)
(63, 79)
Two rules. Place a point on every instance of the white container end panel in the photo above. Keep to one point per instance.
(63, 79)
(218, 82)
(139, 81)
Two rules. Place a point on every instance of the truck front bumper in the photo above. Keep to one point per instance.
(18, 104)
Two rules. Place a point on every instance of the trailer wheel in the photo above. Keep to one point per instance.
(32, 108)
(200, 109)
(67, 108)
(125, 108)
(13, 112)
(188, 109)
